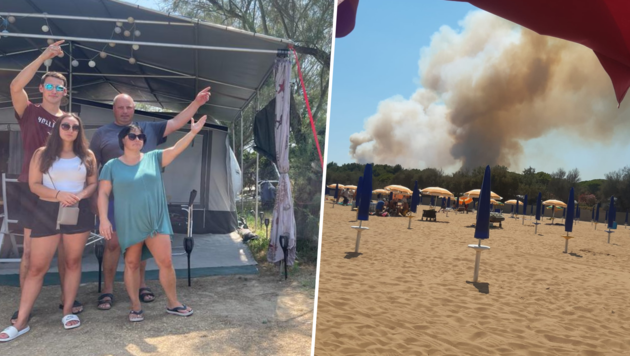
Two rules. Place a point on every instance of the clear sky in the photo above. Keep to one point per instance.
(380, 60)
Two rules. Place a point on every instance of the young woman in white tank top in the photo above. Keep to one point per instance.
(61, 173)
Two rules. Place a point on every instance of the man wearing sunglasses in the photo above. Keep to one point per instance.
(105, 145)
(36, 122)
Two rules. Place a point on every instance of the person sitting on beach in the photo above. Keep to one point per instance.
(404, 209)
(379, 206)
(141, 212)
(62, 173)
(347, 197)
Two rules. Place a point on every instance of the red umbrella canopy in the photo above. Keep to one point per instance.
(601, 25)
(346, 16)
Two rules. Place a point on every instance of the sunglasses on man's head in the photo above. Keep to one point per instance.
(58, 88)
(66, 127)
(133, 136)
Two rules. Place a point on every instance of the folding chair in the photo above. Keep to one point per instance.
(4, 228)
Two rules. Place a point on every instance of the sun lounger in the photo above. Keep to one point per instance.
(429, 215)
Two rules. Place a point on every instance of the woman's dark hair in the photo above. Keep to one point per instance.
(125, 131)
(54, 145)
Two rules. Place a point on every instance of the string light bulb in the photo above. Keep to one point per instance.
(130, 19)
(117, 29)
(127, 33)
(92, 64)
(50, 41)
(135, 47)
(132, 60)
(45, 28)
(48, 62)
(75, 63)
(112, 44)
(119, 23)
(11, 19)
(137, 33)
(103, 55)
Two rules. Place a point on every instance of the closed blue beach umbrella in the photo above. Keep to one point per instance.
(538, 206)
(448, 202)
(415, 198)
(568, 213)
(365, 194)
(482, 228)
(611, 213)
(525, 205)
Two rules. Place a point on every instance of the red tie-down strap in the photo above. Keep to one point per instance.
(308, 106)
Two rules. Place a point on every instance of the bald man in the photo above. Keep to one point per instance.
(105, 146)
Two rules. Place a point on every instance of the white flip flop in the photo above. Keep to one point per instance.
(13, 332)
(68, 318)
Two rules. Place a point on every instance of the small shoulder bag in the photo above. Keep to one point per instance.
(68, 215)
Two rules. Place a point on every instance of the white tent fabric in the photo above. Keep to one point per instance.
(283, 218)
(208, 165)
(237, 179)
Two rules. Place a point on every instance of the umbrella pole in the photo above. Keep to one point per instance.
(566, 243)
(189, 269)
(523, 219)
(356, 247)
(409, 226)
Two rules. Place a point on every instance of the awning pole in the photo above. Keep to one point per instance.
(141, 43)
(242, 167)
(257, 162)
(70, 79)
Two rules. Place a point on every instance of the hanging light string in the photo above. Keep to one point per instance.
(119, 29)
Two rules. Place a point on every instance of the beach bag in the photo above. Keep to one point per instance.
(68, 215)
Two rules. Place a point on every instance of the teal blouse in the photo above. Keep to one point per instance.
(140, 206)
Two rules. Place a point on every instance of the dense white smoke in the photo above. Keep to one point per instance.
(487, 89)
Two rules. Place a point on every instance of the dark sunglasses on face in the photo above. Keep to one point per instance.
(133, 136)
(58, 88)
(66, 127)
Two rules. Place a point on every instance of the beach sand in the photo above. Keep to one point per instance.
(408, 292)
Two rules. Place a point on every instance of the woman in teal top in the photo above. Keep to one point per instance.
(141, 212)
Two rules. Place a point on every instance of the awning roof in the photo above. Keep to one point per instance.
(233, 76)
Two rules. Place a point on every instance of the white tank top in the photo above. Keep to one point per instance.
(68, 175)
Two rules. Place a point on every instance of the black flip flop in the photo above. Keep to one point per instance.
(180, 311)
(139, 313)
(147, 292)
(102, 300)
(76, 304)
(15, 316)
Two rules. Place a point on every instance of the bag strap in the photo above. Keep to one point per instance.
(51, 180)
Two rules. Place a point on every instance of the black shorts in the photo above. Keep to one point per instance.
(45, 220)
(28, 203)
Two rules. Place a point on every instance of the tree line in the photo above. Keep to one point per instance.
(507, 184)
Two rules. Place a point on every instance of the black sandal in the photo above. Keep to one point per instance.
(139, 313)
(144, 293)
(15, 316)
(102, 300)
(76, 304)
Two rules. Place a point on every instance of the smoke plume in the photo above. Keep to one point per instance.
(487, 89)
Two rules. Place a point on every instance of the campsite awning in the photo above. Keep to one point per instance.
(162, 76)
